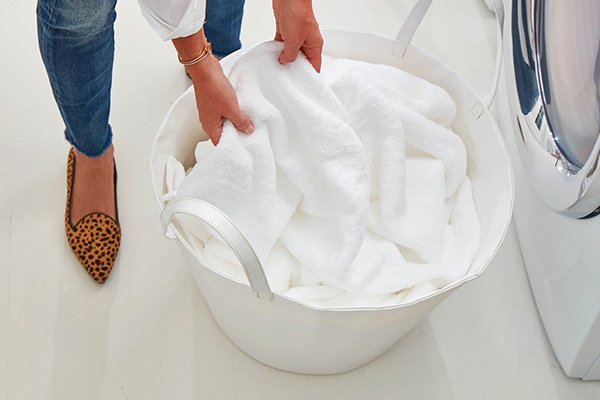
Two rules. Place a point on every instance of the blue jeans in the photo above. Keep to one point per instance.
(223, 25)
(76, 40)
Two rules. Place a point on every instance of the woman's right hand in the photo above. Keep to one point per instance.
(297, 27)
(216, 99)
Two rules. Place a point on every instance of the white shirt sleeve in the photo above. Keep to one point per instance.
(173, 19)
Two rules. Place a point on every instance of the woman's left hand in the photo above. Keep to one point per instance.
(297, 28)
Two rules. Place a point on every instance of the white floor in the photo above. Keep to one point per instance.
(147, 333)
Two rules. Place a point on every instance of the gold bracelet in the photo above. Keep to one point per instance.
(205, 53)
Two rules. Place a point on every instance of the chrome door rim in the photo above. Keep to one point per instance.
(565, 183)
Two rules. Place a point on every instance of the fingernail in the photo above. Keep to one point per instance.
(249, 129)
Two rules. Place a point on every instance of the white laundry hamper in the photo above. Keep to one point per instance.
(285, 333)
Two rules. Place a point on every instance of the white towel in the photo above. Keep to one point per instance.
(174, 174)
(352, 185)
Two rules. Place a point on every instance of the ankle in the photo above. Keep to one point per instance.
(108, 155)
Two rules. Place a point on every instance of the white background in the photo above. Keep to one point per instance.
(147, 334)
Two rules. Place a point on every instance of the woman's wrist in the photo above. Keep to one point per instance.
(203, 70)
(190, 47)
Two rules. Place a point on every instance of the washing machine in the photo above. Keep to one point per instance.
(549, 111)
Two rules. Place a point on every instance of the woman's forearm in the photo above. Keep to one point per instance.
(215, 97)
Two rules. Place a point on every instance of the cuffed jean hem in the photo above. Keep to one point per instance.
(91, 152)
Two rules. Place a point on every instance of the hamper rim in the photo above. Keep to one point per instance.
(439, 292)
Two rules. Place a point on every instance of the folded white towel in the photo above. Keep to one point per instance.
(352, 189)
(174, 176)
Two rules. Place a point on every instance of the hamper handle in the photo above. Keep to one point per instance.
(412, 23)
(230, 233)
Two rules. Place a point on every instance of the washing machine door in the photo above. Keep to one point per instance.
(556, 93)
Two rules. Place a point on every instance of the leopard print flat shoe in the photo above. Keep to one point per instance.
(95, 239)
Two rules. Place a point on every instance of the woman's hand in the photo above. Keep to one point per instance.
(297, 28)
(215, 97)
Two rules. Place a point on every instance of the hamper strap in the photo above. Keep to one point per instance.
(404, 38)
(412, 23)
(218, 221)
